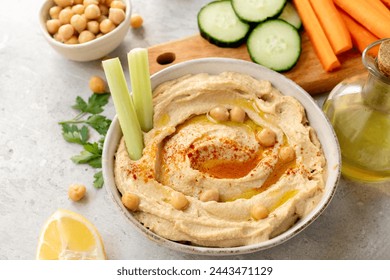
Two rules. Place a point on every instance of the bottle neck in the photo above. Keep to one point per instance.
(376, 90)
(376, 93)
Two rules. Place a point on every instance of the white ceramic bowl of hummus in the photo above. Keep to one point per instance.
(241, 231)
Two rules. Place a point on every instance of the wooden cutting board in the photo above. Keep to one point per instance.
(308, 72)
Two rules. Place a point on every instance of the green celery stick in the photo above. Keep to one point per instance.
(141, 87)
(124, 107)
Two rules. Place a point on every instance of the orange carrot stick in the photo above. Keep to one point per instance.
(317, 36)
(387, 3)
(380, 7)
(365, 13)
(361, 37)
(333, 25)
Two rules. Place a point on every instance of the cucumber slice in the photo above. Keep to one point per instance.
(219, 24)
(291, 15)
(275, 44)
(257, 10)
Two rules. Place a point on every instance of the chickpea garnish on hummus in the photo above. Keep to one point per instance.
(230, 161)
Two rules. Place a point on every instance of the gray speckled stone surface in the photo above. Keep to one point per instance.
(37, 88)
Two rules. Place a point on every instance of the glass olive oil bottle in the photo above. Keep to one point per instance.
(359, 109)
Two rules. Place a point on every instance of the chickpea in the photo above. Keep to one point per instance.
(78, 22)
(179, 201)
(267, 137)
(101, 18)
(86, 36)
(118, 4)
(97, 84)
(108, 2)
(53, 25)
(65, 16)
(286, 154)
(106, 26)
(72, 41)
(259, 212)
(136, 21)
(54, 12)
(76, 192)
(237, 114)
(89, 2)
(92, 11)
(116, 15)
(219, 113)
(209, 195)
(65, 32)
(57, 37)
(131, 201)
(63, 3)
(78, 9)
(103, 9)
(93, 26)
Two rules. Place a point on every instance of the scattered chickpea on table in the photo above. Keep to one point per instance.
(76, 192)
(136, 21)
(97, 85)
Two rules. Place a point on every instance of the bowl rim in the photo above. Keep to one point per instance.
(330, 186)
(43, 16)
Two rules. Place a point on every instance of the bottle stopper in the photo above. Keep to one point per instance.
(384, 58)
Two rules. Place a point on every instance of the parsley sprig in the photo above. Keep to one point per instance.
(77, 130)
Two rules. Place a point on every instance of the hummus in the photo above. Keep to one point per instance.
(190, 153)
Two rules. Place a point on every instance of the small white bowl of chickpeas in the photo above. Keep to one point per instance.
(85, 30)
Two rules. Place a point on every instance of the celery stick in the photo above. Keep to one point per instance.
(124, 107)
(141, 87)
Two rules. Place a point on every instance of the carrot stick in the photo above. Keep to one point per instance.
(365, 13)
(387, 3)
(333, 25)
(380, 7)
(316, 35)
(361, 37)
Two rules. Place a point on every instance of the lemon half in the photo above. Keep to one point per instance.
(67, 235)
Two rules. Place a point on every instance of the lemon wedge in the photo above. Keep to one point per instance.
(67, 235)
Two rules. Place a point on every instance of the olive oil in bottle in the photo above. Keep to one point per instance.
(359, 109)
